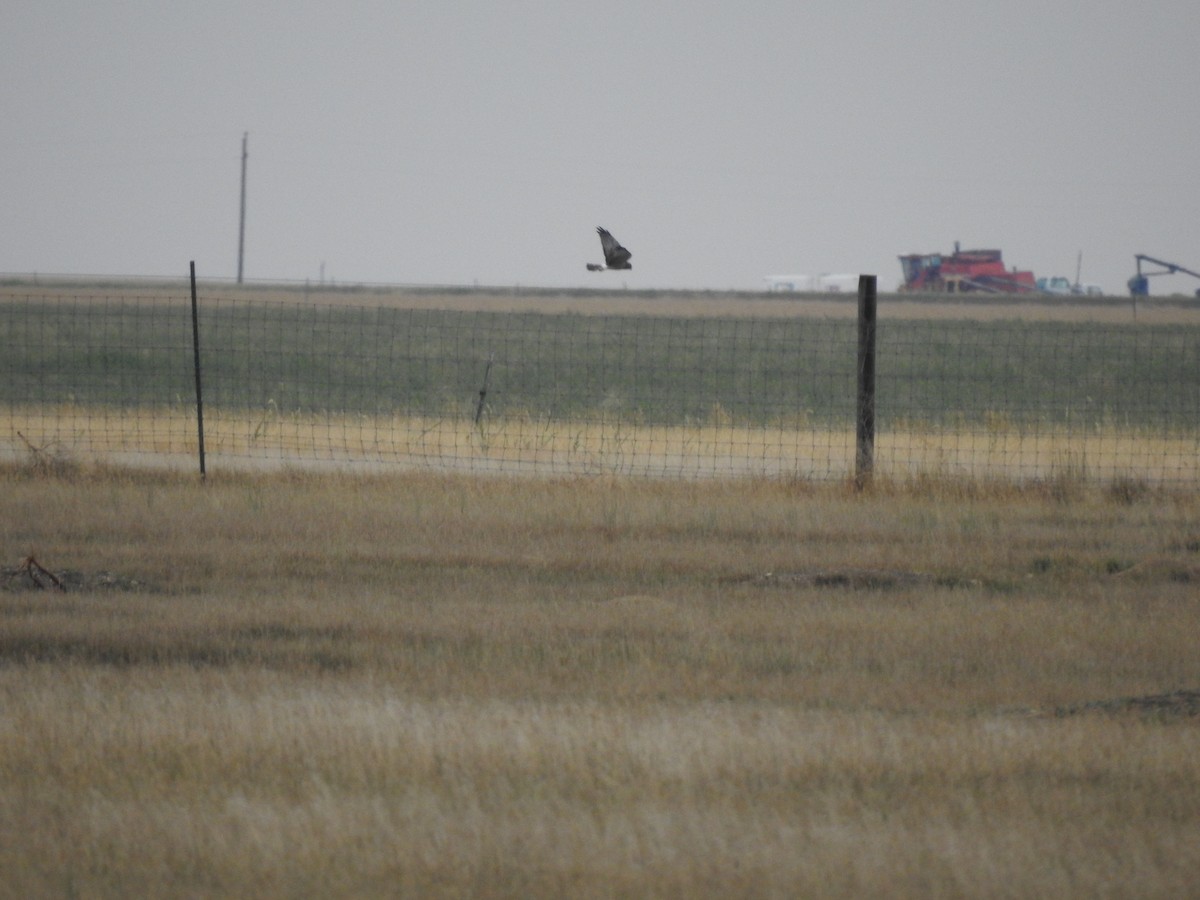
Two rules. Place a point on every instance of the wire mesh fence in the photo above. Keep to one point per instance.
(307, 384)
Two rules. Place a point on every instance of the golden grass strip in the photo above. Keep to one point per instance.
(532, 444)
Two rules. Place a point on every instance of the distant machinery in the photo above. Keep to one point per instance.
(1060, 285)
(1139, 284)
(824, 283)
(963, 271)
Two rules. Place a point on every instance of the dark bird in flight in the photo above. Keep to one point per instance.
(615, 256)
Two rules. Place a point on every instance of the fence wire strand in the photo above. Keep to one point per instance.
(303, 384)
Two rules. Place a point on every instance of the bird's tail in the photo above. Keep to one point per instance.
(594, 267)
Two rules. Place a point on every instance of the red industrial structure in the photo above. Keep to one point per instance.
(962, 272)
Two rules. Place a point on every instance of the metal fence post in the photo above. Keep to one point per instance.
(196, 359)
(864, 456)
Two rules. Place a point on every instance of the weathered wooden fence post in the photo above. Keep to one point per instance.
(864, 455)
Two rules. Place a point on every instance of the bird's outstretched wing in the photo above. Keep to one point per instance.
(615, 256)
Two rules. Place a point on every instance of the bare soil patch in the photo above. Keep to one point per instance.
(30, 575)
(853, 579)
(1170, 704)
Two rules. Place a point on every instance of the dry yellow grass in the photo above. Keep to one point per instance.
(166, 437)
(430, 685)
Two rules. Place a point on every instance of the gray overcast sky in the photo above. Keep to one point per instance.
(463, 141)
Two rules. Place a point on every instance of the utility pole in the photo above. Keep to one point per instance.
(242, 215)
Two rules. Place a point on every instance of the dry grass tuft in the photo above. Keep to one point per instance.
(429, 685)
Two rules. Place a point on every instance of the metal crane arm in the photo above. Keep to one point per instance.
(1168, 268)
(1139, 284)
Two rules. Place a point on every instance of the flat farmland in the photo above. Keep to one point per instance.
(420, 685)
(679, 303)
(588, 382)
(429, 684)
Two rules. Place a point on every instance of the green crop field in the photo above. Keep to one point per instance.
(587, 383)
(638, 368)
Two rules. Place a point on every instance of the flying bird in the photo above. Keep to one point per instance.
(615, 256)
